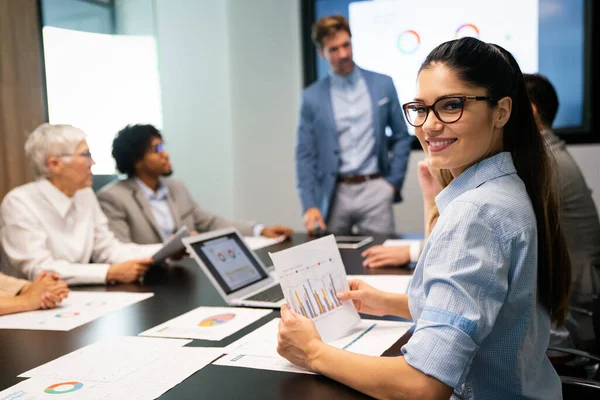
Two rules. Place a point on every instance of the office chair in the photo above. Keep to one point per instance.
(574, 387)
(100, 181)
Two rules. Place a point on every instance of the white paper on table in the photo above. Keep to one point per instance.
(44, 388)
(259, 362)
(387, 283)
(400, 242)
(258, 242)
(311, 275)
(148, 382)
(76, 310)
(107, 360)
(258, 349)
(207, 323)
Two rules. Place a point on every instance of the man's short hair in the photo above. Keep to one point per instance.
(543, 96)
(131, 144)
(328, 25)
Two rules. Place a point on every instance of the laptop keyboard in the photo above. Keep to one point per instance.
(271, 295)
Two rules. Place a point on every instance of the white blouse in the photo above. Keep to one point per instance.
(43, 229)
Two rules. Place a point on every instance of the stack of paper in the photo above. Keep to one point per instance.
(259, 349)
(117, 368)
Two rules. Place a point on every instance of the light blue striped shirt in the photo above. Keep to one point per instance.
(353, 112)
(159, 204)
(479, 325)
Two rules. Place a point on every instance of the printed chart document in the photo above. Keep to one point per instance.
(311, 275)
(76, 310)
(207, 323)
(107, 360)
(172, 246)
(148, 382)
(387, 283)
(258, 349)
(258, 242)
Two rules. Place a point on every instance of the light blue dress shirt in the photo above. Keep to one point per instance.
(353, 113)
(159, 205)
(479, 325)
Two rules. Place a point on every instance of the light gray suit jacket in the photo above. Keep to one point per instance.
(579, 221)
(130, 216)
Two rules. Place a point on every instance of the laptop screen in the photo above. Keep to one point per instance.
(229, 261)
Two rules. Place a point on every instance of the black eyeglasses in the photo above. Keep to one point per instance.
(447, 109)
(158, 148)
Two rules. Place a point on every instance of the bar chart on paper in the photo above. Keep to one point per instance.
(311, 275)
(314, 297)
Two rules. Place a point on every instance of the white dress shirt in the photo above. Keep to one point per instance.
(43, 229)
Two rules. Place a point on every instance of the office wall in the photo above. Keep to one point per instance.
(231, 81)
(266, 80)
(195, 73)
(134, 17)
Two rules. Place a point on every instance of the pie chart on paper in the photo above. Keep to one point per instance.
(215, 320)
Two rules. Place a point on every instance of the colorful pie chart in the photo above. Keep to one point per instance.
(216, 320)
(408, 41)
(63, 387)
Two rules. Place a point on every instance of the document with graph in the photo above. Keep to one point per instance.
(311, 275)
(258, 349)
(76, 310)
(207, 323)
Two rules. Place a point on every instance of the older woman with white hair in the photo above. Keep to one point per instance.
(56, 224)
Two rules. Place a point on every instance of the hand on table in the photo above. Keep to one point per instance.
(276, 231)
(386, 256)
(46, 291)
(311, 217)
(128, 271)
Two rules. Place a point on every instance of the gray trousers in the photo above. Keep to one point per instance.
(362, 208)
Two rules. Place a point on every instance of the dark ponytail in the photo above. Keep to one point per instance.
(495, 69)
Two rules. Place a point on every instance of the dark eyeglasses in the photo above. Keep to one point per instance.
(158, 148)
(447, 109)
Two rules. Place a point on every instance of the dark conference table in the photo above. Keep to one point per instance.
(178, 290)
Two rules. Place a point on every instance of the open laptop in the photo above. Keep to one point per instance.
(234, 270)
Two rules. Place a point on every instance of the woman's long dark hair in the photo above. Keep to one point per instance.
(491, 67)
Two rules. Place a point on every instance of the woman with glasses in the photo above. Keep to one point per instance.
(56, 224)
(494, 271)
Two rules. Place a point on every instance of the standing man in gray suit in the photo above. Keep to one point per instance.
(349, 170)
(578, 214)
(148, 207)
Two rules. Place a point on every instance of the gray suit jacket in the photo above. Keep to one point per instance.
(130, 216)
(579, 221)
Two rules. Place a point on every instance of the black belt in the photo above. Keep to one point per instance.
(358, 178)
